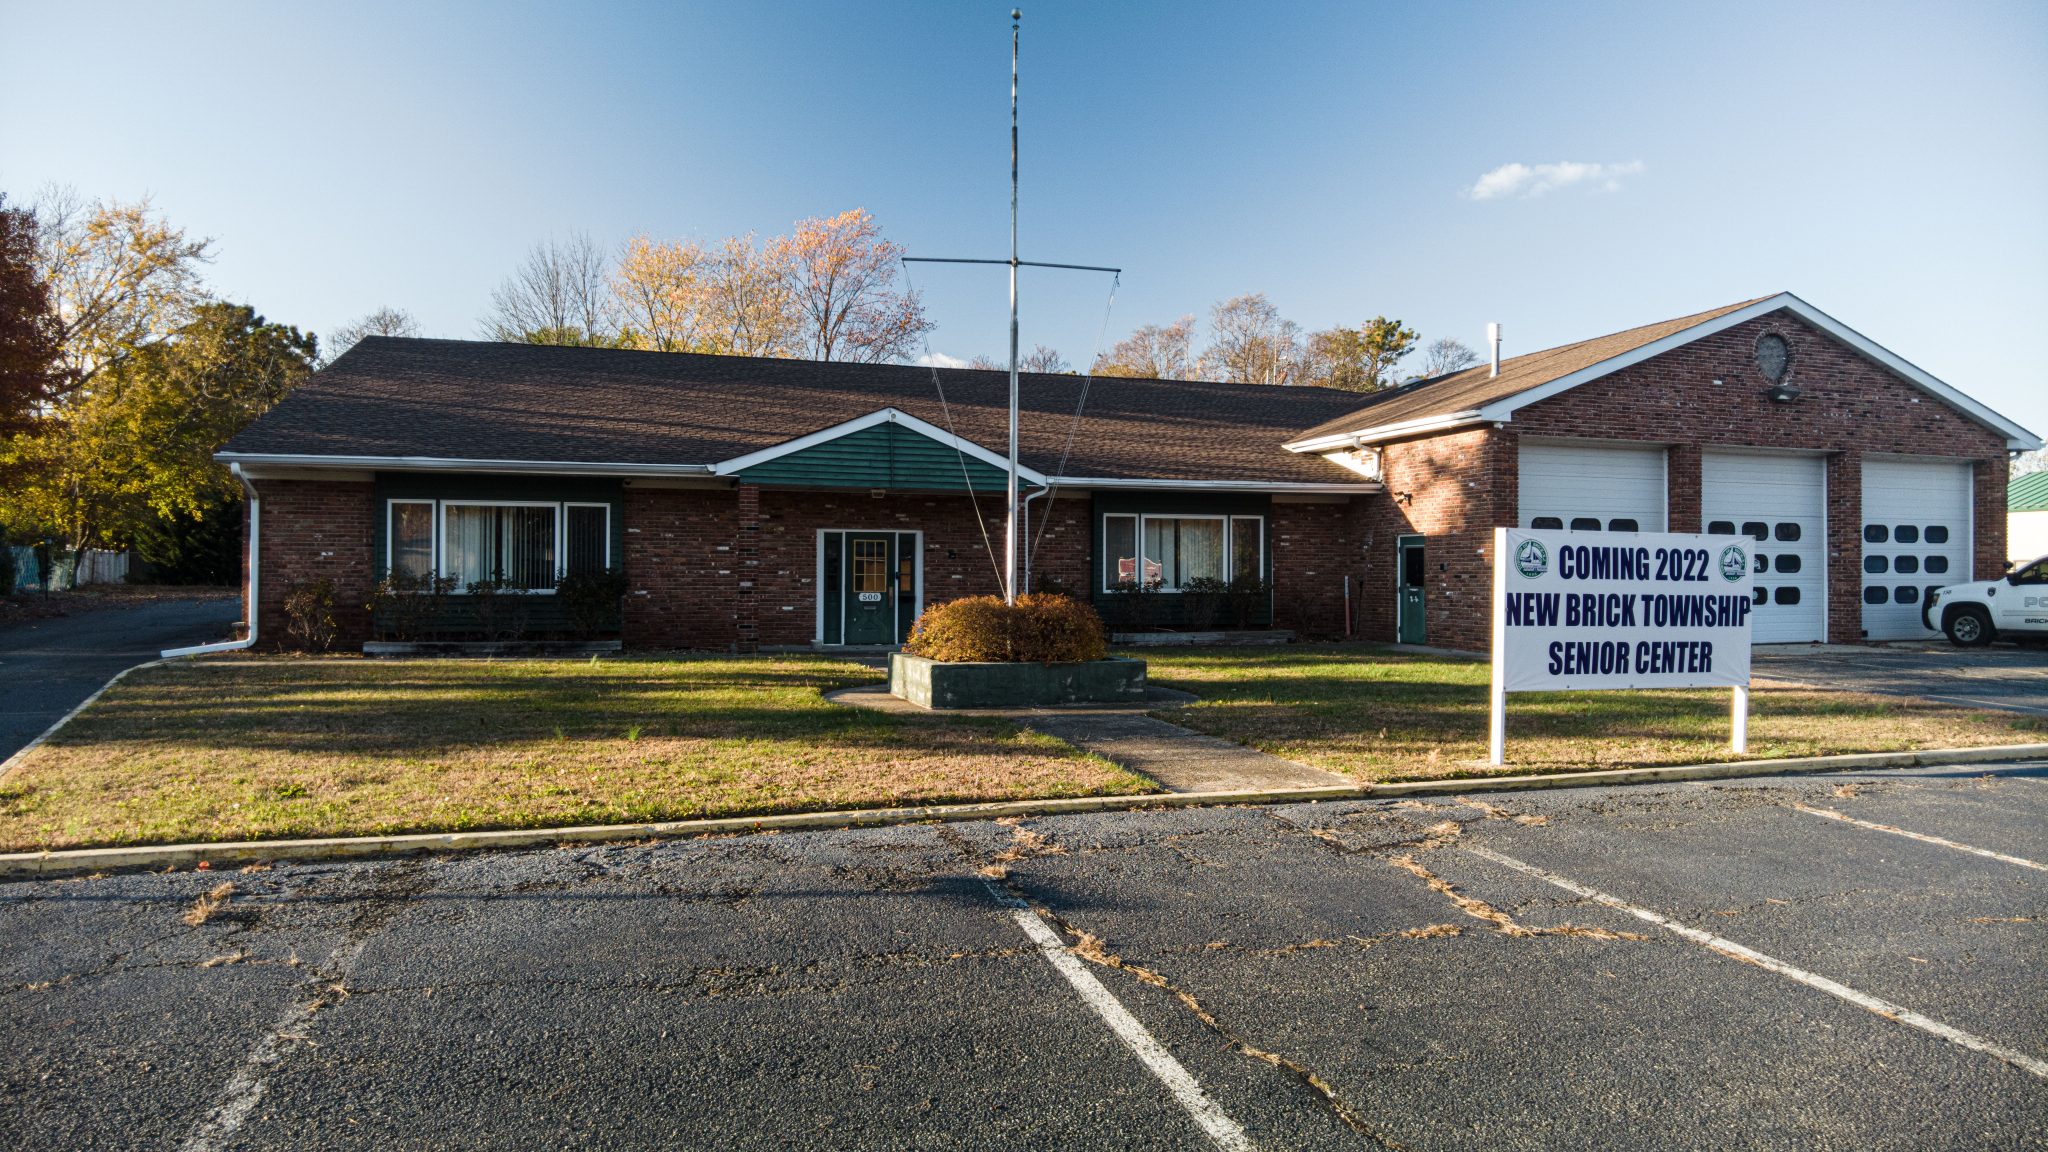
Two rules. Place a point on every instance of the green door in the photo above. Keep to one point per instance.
(1414, 627)
(870, 588)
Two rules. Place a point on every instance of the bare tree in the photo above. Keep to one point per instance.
(1154, 352)
(1445, 356)
(841, 276)
(119, 276)
(385, 321)
(1043, 359)
(561, 294)
(1251, 343)
(2026, 462)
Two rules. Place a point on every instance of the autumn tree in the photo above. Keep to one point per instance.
(1359, 359)
(748, 308)
(661, 290)
(1445, 356)
(1154, 352)
(385, 321)
(119, 276)
(842, 278)
(31, 336)
(560, 294)
(1251, 343)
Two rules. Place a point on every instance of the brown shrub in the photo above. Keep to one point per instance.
(1041, 628)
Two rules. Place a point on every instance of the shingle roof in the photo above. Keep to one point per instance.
(1473, 387)
(2027, 493)
(473, 400)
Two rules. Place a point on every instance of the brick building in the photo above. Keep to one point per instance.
(754, 502)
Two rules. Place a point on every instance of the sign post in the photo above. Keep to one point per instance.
(1581, 611)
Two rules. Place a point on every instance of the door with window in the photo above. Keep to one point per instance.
(1413, 627)
(870, 583)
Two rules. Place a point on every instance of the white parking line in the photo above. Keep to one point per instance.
(1730, 948)
(1220, 1128)
(1845, 818)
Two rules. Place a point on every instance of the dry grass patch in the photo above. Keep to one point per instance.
(266, 749)
(1379, 714)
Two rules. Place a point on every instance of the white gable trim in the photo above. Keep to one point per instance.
(879, 416)
(1502, 410)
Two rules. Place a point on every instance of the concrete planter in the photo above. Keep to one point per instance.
(930, 684)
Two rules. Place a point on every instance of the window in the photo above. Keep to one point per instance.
(587, 538)
(1873, 594)
(1756, 530)
(514, 543)
(2035, 573)
(1786, 533)
(1585, 523)
(1721, 528)
(412, 538)
(1247, 540)
(1762, 563)
(1790, 562)
(1906, 594)
(1937, 533)
(1785, 596)
(1876, 534)
(1763, 595)
(1876, 565)
(1906, 564)
(1622, 525)
(1172, 550)
(1906, 534)
(1936, 565)
(1542, 522)
(870, 568)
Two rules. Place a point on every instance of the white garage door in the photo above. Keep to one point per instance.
(1780, 502)
(1916, 536)
(1592, 487)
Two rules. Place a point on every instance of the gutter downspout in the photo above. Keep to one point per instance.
(1026, 539)
(255, 578)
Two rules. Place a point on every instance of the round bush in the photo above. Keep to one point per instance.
(1041, 628)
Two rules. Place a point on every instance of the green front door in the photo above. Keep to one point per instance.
(1414, 628)
(870, 588)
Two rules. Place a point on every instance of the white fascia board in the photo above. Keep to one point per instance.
(2016, 436)
(254, 462)
(879, 416)
(1378, 432)
(1362, 489)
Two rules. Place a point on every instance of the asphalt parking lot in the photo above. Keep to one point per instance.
(1690, 966)
(2003, 676)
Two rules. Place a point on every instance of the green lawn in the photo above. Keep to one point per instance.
(260, 748)
(1378, 714)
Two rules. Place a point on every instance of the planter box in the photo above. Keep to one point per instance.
(931, 684)
(1167, 639)
(489, 648)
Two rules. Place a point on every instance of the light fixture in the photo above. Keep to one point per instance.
(1404, 497)
(1782, 393)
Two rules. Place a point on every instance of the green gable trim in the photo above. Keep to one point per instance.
(2027, 493)
(886, 455)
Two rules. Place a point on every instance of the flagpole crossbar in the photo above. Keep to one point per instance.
(1018, 263)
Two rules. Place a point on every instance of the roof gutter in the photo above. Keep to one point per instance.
(447, 464)
(1363, 436)
(1358, 489)
(255, 581)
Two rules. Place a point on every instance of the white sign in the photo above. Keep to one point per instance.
(1578, 611)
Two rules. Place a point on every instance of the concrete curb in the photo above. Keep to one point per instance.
(167, 856)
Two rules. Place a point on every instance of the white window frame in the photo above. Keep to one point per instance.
(1229, 543)
(562, 537)
(433, 535)
(441, 535)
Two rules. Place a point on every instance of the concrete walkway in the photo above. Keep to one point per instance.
(1180, 760)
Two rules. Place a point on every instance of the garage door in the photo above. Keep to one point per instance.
(1780, 502)
(1592, 487)
(1916, 536)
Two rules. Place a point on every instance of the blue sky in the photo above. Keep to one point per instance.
(1887, 162)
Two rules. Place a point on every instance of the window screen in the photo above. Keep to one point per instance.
(1119, 549)
(412, 538)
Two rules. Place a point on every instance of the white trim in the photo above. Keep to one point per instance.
(895, 602)
(1502, 410)
(448, 464)
(860, 423)
(441, 538)
(433, 534)
(562, 553)
(1358, 439)
(249, 609)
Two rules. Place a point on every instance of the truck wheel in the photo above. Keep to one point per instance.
(1968, 627)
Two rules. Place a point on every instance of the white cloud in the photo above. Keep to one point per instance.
(1530, 180)
(939, 360)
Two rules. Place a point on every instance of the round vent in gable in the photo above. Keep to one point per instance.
(1773, 356)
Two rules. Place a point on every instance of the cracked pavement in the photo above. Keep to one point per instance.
(1332, 975)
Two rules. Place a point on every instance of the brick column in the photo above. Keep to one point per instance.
(1682, 488)
(1988, 517)
(746, 569)
(1845, 547)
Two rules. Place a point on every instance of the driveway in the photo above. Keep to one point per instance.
(1840, 962)
(48, 666)
(2003, 677)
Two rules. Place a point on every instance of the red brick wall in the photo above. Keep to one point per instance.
(1314, 547)
(314, 530)
(1849, 408)
(682, 568)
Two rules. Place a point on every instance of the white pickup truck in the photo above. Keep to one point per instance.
(2014, 606)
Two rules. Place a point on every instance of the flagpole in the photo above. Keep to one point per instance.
(1010, 525)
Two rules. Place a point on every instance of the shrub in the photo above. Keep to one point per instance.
(309, 615)
(1200, 599)
(1040, 628)
(1248, 599)
(594, 599)
(498, 608)
(1131, 604)
(402, 607)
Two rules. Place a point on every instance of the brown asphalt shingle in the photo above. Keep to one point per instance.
(1472, 388)
(473, 400)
